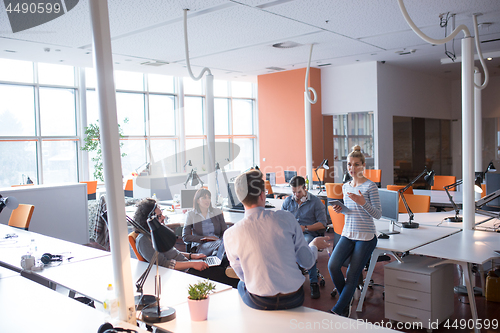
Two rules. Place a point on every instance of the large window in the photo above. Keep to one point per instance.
(43, 120)
(352, 129)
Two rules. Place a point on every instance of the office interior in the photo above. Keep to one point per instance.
(368, 68)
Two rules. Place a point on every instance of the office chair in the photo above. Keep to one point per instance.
(398, 187)
(269, 189)
(131, 239)
(21, 216)
(375, 175)
(91, 189)
(441, 181)
(128, 191)
(417, 203)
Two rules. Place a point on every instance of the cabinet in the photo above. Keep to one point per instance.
(414, 292)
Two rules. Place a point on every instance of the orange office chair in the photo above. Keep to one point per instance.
(375, 175)
(441, 181)
(398, 187)
(269, 189)
(131, 239)
(334, 190)
(417, 203)
(321, 175)
(21, 216)
(91, 189)
(129, 188)
(483, 187)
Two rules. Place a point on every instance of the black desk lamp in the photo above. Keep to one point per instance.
(489, 168)
(347, 177)
(477, 188)
(193, 179)
(429, 178)
(10, 202)
(163, 239)
(325, 166)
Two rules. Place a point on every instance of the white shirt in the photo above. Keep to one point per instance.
(264, 249)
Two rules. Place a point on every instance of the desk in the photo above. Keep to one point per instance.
(5, 273)
(438, 219)
(12, 249)
(29, 307)
(91, 277)
(228, 313)
(407, 240)
(465, 248)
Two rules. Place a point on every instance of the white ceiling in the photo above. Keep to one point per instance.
(234, 38)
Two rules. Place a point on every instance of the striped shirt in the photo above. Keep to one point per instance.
(359, 219)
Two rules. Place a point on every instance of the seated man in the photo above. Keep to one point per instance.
(309, 211)
(264, 249)
(173, 258)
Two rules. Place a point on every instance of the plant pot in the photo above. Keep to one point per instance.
(198, 309)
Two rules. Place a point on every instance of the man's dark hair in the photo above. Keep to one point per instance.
(297, 181)
(249, 186)
(144, 207)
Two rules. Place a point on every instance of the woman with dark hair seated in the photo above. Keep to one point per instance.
(204, 225)
(173, 258)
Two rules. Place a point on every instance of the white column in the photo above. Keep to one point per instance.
(108, 126)
(468, 133)
(210, 132)
(478, 127)
(307, 122)
(182, 124)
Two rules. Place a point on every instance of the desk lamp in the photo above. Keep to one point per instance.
(477, 188)
(325, 166)
(489, 168)
(163, 239)
(429, 178)
(193, 179)
(10, 202)
(347, 177)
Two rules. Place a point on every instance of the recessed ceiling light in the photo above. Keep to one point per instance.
(490, 58)
(286, 45)
(11, 51)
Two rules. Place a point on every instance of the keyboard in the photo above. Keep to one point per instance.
(269, 206)
(212, 261)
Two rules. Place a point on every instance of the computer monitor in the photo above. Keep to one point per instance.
(271, 176)
(187, 198)
(493, 185)
(389, 200)
(233, 201)
(289, 175)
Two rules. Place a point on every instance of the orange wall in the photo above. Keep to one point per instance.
(281, 122)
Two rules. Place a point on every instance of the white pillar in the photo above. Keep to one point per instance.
(108, 126)
(182, 124)
(468, 133)
(478, 127)
(307, 113)
(210, 132)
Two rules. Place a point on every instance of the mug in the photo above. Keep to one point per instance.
(27, 261)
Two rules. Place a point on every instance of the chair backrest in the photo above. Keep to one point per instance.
(398, 187)
(441, 181)
(321, 175)
(375, 175)
(129, 188)
(417, 203)
(269, 188)
(483, 187)
(131, 239)
(21, 216)
(91, 189)
(338, 220)
(334, 190)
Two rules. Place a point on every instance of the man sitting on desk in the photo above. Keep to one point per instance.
(264, 249)
(310, 213)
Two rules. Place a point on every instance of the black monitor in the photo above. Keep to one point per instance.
(289, 175)
(187, 198)
(492, 185)
(389, 200)
(233, 202)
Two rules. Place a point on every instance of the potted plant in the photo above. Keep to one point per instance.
(93, 143)
(198, 299)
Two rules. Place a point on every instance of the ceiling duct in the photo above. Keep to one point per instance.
(275, 68)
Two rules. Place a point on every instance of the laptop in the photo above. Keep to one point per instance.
(233, 202)
(216, 260)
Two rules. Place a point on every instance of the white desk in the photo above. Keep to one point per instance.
(6, 273)
(465, 248)
(407, 240)
(12, 249)
(228, 313)
(438, 219)
(91, 277)
(440, 198)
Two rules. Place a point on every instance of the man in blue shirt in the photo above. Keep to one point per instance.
(310, 213)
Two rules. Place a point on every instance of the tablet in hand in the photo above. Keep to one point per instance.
(339, 203)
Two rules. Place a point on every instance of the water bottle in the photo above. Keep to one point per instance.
(307, 183)
(111, 304)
